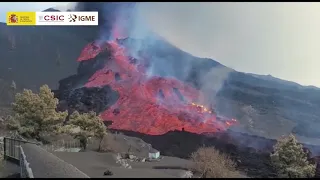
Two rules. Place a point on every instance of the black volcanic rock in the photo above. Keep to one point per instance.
(84, 71)
(84, 99)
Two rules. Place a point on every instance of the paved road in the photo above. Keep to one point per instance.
(9, 169)
(94, 164)
(47, 165)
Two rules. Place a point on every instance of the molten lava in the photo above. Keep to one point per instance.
(150, 105)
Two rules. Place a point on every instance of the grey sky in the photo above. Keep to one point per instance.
(26, 6)
(281, 39)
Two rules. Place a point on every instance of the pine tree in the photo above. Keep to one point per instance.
(290, 160)
(36, 113)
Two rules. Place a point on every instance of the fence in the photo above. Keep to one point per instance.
(65, 145)
(1, 147)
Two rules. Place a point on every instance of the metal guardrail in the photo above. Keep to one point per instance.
(15, 150)
(1, 148)
(25, 170)
(11, 150)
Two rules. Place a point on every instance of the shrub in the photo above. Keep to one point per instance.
(36, 113)
(86, 125)
(290, 160)
(211, 163)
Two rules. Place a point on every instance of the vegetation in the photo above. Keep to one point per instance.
(290, 160)
(211, 163)
(86, 125)
(36, 113)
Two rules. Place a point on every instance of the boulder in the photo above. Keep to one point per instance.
(132, 157)
(108, 173)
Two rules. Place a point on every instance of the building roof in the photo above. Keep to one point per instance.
(153, 151)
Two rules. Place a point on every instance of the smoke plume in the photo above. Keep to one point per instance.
(129, 20)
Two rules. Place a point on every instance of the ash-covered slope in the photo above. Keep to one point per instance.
(32, 56)
(271, 107)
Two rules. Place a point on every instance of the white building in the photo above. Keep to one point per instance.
(154, 154)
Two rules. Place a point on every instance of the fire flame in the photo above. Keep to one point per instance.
(201, 108)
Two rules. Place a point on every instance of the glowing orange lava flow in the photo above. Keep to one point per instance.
(153, 105)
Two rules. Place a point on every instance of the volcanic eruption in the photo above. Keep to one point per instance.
(148, 104)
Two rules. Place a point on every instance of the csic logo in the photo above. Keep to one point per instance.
(13, 18)
(51, 18)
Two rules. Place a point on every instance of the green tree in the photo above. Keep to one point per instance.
(36, 113)
(86, 125)
(290, 160)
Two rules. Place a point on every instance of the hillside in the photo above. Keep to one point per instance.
(263, 107)
(32, 56)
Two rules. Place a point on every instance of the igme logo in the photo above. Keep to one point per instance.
(81, 18)
(72, 18)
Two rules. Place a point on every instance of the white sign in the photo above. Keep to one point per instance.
(67, 18)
